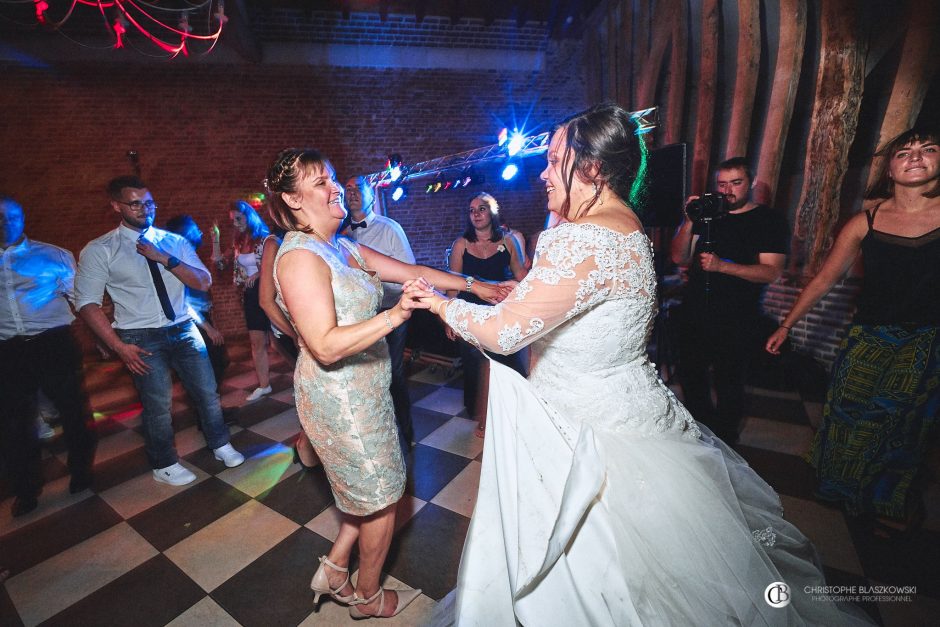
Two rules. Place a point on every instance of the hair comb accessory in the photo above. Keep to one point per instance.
(285, 162)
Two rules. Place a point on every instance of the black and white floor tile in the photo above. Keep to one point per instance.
(238, 546)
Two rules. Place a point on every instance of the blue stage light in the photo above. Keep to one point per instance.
(510, 171)
(515, 143)
(394, 167)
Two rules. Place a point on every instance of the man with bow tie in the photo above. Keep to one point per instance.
(386, 236)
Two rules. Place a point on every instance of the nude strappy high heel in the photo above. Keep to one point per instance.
(405, 597)
(320, 584)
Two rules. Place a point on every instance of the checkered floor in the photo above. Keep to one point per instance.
(238, 546)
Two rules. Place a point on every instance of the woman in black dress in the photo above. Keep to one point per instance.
(484, 251)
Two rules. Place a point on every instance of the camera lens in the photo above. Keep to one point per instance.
(708, 206)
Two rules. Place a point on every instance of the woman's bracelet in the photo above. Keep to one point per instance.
(388, 321)
(783, 326)
(443, 302)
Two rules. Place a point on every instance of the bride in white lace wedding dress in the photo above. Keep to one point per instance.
(601, 501)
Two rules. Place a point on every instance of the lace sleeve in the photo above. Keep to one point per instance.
(576, 267)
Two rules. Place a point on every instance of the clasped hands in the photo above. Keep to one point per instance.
(420, 294)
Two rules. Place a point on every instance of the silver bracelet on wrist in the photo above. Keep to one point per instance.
(470, 281)
(388, 320)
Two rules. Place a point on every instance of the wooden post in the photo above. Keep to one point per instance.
(613, 59)
(625, 81)
(641, 49)
(678, 62)
(782, 95)
(916, 67)
(592, 61)
(745, 83)
(839, 84)
(705, 100)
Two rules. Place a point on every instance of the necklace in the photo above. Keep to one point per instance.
(325, 241)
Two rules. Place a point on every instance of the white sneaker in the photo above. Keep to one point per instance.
(229, 456)
(258, 393)
(177, 474)
(43, 430)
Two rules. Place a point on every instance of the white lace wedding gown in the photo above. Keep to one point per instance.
(601, 501)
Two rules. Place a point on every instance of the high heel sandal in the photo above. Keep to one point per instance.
(320, 584)
(405, 597)
(298, 460)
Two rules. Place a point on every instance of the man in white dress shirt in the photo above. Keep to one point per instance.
(386, 236)
(146, 270)
(38, 351)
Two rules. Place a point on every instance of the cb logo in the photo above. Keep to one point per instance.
(777, 594)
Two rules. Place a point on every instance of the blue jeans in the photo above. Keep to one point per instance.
(181, 348)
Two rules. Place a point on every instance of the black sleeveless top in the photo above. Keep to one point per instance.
(493, 268)
(902, 278)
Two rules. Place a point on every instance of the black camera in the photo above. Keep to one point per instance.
(710, 206)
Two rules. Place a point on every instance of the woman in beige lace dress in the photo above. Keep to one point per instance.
(330, 288)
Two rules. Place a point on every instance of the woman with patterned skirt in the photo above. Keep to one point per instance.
(883, 401)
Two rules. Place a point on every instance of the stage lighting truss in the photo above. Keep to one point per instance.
(645, 120)
(533, 145)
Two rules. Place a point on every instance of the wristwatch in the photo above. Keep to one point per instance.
(172, 262)
(470, 281)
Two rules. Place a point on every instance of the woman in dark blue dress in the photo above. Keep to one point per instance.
(484, 251)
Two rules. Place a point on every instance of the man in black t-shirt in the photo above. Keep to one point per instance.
(720, 313)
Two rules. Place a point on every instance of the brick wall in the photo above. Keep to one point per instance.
(820, 331)
(205, 134)
(285, 25)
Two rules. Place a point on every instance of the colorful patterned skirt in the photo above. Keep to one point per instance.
(878, 419)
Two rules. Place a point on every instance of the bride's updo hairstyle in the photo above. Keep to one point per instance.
(602, 145)
(284, 177)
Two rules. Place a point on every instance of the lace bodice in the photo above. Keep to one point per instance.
(587, 307)
(356, 293)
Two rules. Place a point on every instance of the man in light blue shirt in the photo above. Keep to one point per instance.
(383, 234)
(38, 351)
(146, 270)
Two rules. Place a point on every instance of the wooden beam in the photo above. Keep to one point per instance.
(838, 97)
(883, 38)
(593, 60)
(780, 107)
(705, 98)
(625, 62)
(676, 83)
(745, 83)
(915, 69)
(613, 58)
(652, 62)
(641, 48)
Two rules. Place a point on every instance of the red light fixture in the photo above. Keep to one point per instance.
(161, 25)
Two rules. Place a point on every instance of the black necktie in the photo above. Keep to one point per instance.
(359, 225)
(161, 289)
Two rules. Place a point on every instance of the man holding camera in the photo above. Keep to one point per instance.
(733, 247)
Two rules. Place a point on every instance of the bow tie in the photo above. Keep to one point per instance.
(359, 225)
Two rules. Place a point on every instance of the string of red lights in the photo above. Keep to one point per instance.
(145, 19)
